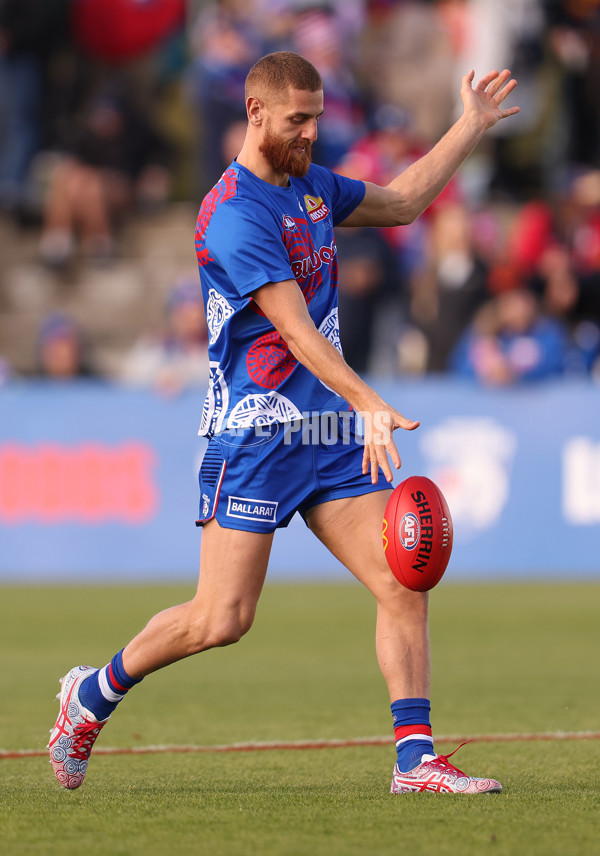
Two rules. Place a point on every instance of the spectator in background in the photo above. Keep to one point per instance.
(29, 31)
(511, 34)
(62, 349)
(224, 42)
(388, 144)
(114, 162)
(386, 149)
(178, 357)
(561, 294)
(228, 35)
(368, 275)
(406, 52)
(319, 37)
(116, 32)
(276, 22)
(555, 247)
(511, 341)
(451, 286)
(579, 223)
(574, 38)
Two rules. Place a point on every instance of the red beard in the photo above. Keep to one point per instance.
(282, 158)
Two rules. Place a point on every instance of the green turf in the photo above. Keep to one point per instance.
(515, 658)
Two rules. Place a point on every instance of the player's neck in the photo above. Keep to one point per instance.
(255, 162)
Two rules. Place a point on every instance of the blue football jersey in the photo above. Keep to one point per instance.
(249, 233)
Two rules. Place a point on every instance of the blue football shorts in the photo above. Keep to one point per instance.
(256, 479)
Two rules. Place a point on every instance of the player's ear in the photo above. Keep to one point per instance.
(254, 107)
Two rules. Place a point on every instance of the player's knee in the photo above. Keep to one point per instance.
(393, 596)
(220, 631)
(230, 630)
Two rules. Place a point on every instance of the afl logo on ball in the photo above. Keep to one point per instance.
(289, 224)
(409, 531)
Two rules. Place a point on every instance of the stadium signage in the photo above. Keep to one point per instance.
(93, 483)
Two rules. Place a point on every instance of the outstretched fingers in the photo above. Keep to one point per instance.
(379, 445)
(469, 78)
(497, 84)
(375, 458)
(492, 81)
(407, 424)
(505, 88)
(488, 94)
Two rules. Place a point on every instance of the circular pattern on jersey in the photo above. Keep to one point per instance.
(269, 361)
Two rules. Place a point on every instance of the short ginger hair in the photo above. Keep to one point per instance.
(277, 72)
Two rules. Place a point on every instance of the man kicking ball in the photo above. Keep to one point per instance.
(268, 266)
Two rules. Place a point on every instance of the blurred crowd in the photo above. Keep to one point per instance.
(499, 281)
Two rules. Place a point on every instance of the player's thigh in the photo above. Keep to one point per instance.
(351, 528)
(233, 566)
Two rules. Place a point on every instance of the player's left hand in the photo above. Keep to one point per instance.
(379, 445)
(483, 101)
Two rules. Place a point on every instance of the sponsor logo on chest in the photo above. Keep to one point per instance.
(316, 208)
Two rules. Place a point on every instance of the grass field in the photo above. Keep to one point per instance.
(507, 659)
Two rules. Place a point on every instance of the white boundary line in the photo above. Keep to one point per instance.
(12, 754)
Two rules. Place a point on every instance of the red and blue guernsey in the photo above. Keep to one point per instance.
(249, 233)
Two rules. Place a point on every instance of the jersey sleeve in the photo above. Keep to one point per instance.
(345, 194)
(245, 241)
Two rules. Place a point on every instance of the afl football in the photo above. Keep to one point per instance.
(417, 533)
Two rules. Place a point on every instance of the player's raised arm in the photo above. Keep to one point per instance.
(411, 192)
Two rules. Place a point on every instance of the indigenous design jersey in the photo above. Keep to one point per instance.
(249, 233)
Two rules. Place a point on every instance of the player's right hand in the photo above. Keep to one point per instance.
(379, 445)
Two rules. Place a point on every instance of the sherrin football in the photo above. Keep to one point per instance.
(417, 533)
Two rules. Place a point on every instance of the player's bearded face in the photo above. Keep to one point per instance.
(285, 155)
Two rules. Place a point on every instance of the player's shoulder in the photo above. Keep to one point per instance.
(317, 170)
(228, 201)
(318, 175)
(226, 188)
(238, 190)
(323, 181)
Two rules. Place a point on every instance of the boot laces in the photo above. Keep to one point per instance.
(84, 737)
(442, 763)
